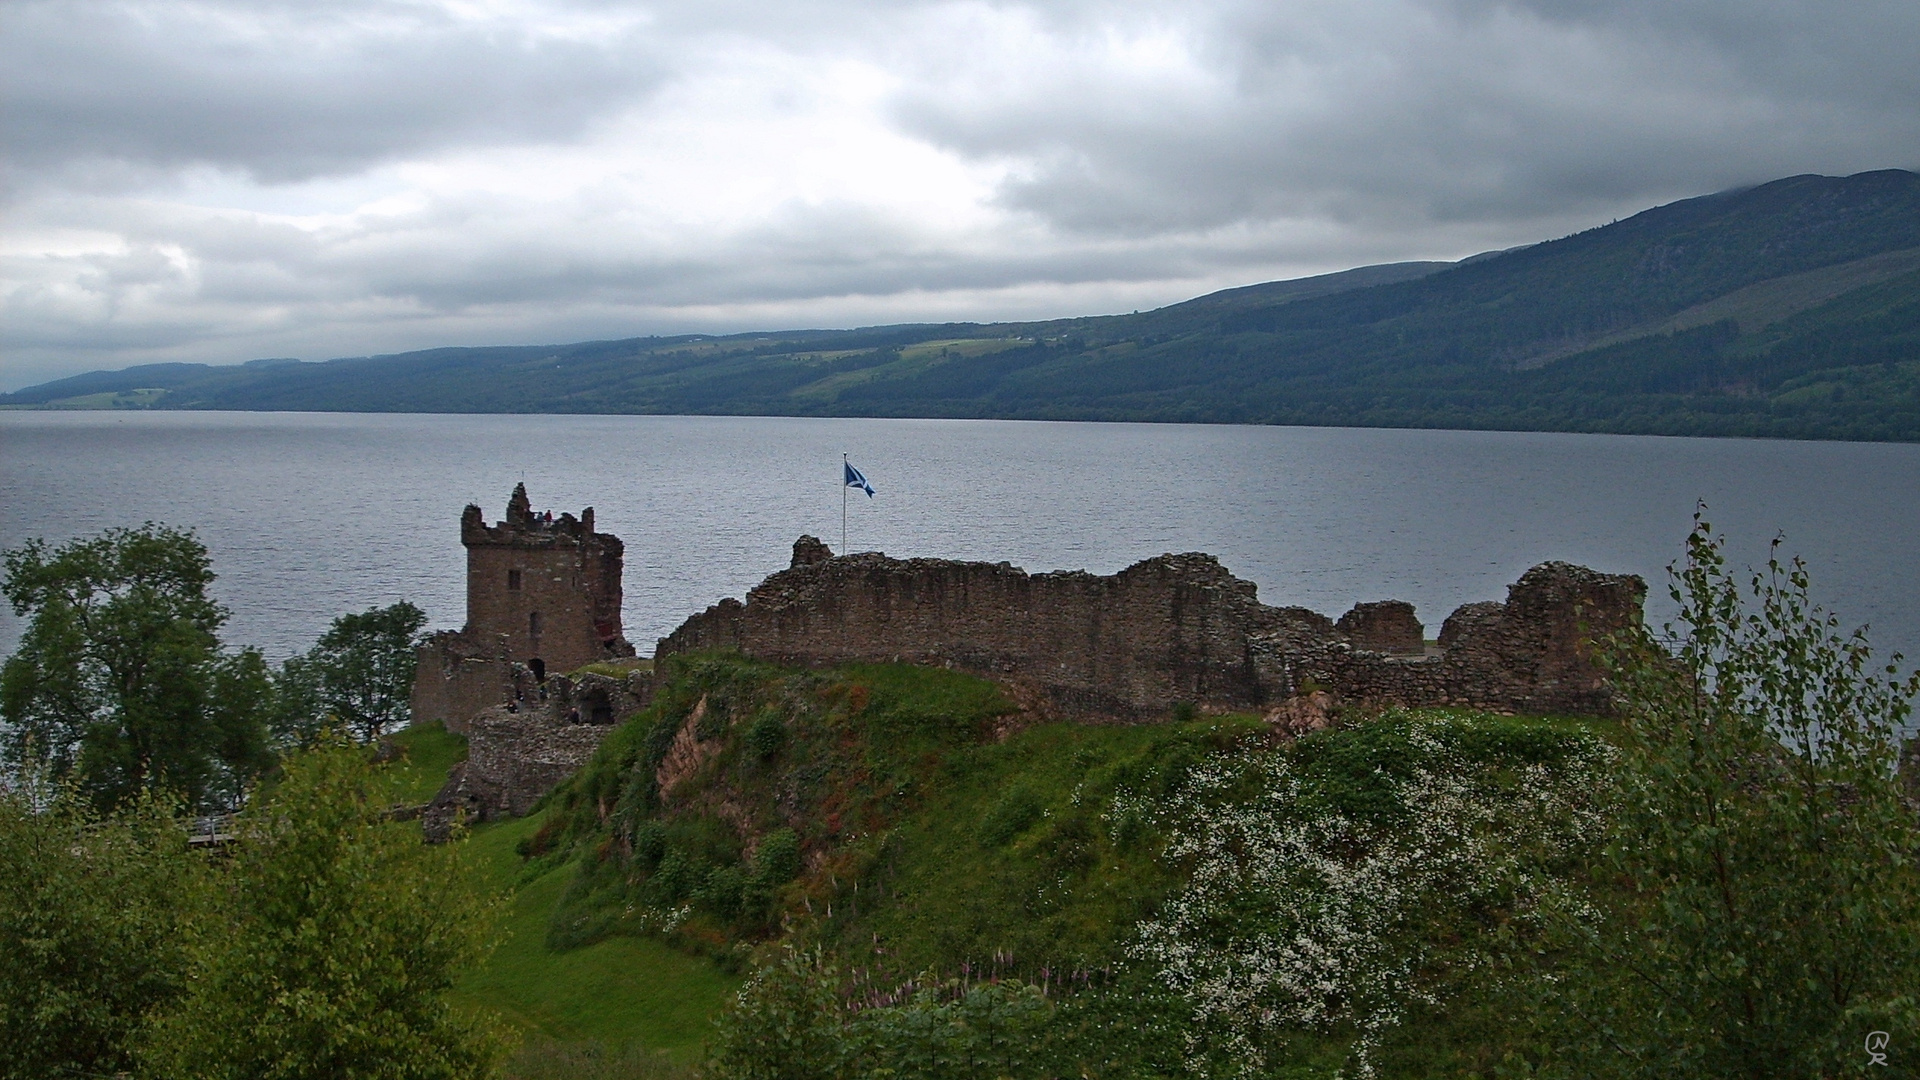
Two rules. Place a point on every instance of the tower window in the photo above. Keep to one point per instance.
(513, 580)
(533, 624)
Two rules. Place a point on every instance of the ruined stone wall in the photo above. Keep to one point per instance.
(515, 756)
(456, 675)
(1172, 629)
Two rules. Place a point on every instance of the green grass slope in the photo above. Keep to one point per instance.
(619, 992)
(427, 751)
(911, 822)
(575, 1009)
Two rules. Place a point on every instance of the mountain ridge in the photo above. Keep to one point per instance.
(1790, 308)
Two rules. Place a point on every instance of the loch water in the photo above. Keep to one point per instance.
(310, 515)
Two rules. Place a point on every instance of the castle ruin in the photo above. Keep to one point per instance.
(543, 599)
(1174, 630)
(543, 595)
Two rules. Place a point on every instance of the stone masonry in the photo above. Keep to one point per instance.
(1174, 629)
(543, 594)
(1131, 646)
(516, 756)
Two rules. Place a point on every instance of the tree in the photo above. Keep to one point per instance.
(120, 681)
(343, 934)
(96, 934)
(357, 678)
(1757, 909)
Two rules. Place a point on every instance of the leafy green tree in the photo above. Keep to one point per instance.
(120, 680)
(95, 928)
(364, 664)
(300, 715)
(784, 1024)
(344, 934)
(1757, 909)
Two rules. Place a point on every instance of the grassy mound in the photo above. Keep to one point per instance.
(892, 810)
(427, 751)
(919, 832)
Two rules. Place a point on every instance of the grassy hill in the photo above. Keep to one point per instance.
(1788, 309)
(915, 827)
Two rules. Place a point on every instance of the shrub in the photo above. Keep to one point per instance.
(1366, 872)
(1757, 908)
(778, 859)
(766, 737)
(342, 938)
(1012, 814)
(96, 929)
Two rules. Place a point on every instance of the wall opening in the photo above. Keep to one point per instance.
(513, 580)
(599, 708)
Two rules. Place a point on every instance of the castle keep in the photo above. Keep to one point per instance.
(543, 595)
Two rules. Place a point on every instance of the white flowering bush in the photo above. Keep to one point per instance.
(1338, 883)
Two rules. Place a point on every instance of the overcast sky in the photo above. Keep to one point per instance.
(220, 180)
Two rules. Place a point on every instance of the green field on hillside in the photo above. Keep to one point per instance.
(613, 994)
(617, 992)
(427, 752)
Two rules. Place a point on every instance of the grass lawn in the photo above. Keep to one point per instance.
(430, 751)
(618, 992)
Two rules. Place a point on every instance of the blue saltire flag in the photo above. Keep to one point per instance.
(856, 479)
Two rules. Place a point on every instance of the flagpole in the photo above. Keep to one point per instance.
(843, 504)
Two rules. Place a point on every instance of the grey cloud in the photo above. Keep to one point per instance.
(1440, 110)
(291, 91)
(1271, 139)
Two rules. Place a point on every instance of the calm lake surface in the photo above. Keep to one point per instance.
(312, 515)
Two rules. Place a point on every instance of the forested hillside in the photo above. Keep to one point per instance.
(1789, 309)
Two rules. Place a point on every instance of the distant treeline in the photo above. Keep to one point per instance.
(1787, 310)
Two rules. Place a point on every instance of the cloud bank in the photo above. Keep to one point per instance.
(218, 180)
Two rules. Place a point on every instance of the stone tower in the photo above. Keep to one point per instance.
(549, 586)
(543, 595)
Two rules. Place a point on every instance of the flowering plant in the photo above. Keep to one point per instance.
(1338, 883)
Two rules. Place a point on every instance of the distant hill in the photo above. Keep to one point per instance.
(1790, 309)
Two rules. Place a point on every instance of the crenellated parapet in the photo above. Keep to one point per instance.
(543, 595)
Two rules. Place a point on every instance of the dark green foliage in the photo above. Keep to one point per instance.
(337, 945)
(96, 930)
(778, 860)
(802, 1016)
(1568, 335)
(1758, 905)
(1012, 814)
(358, 677)
(119, 680)
(784, 1025)
(767, 736)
